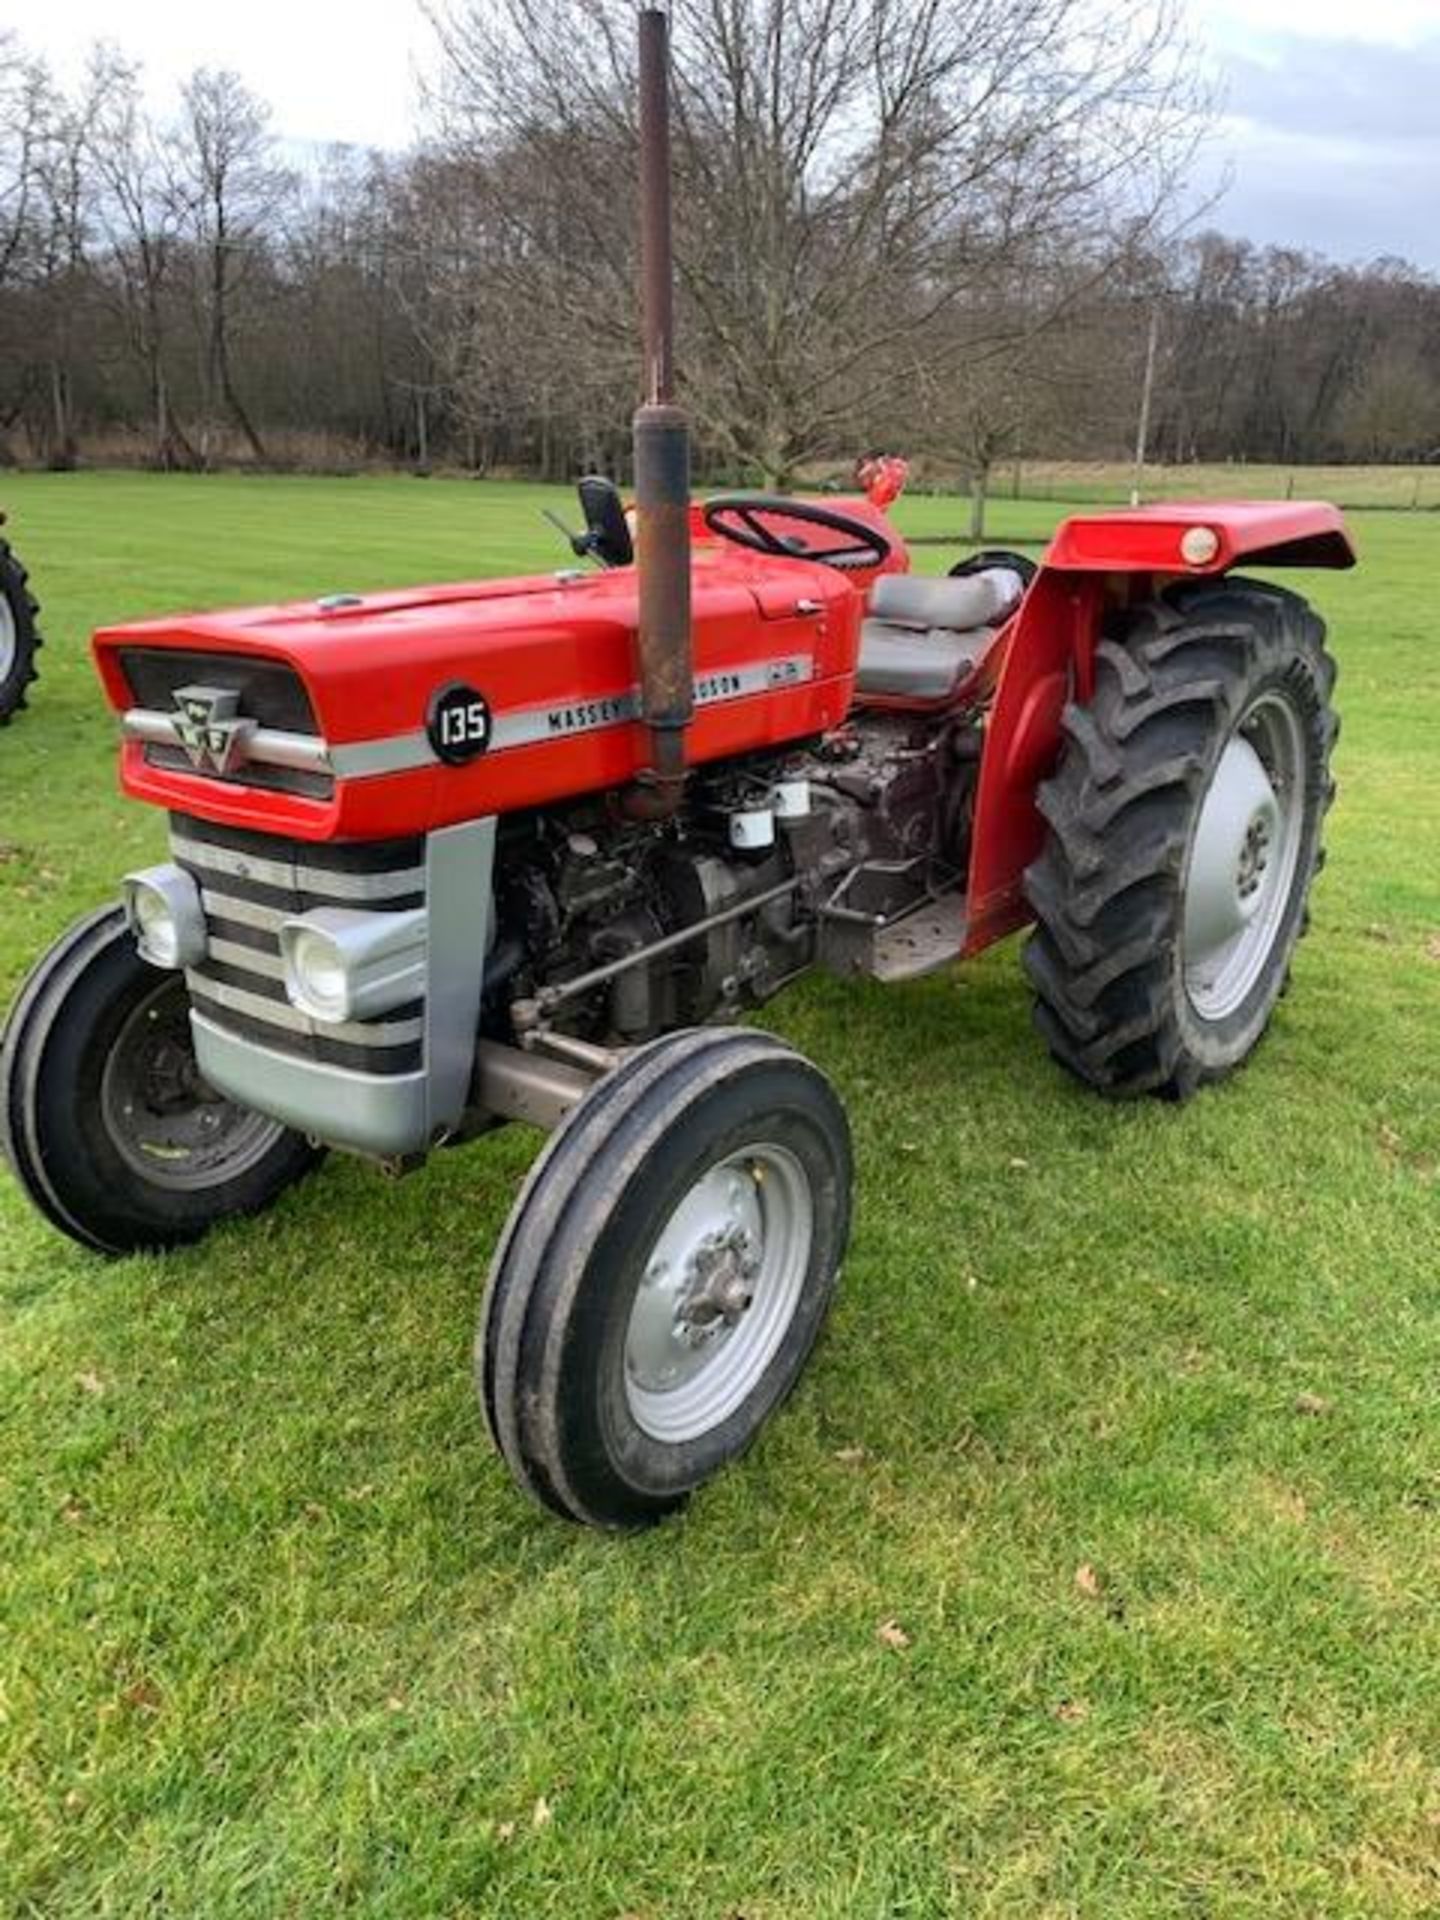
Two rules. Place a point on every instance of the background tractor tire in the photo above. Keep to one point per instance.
(664, 1274)
(103, 1118)
(19, 640)
(1185, 817)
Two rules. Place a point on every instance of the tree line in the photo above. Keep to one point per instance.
(944, 226)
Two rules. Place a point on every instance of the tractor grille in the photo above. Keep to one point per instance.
(249, 883)
(271, 694)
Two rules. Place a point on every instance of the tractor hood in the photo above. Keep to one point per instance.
(357, 716)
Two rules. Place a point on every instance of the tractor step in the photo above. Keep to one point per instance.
(918, 939)
(921, 941)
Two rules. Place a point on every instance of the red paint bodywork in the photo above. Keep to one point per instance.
(370, 671)
(1093, 561)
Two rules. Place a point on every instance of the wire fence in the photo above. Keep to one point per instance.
(1409, 489)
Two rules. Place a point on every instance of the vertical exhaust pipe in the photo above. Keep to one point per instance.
(662, 449)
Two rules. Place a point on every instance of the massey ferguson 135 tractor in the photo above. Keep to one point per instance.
(524, 849)
(19, 640)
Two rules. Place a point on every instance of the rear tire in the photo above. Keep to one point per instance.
(19, 639)
(664, 1274)
(1185, 819)
(103, 1118)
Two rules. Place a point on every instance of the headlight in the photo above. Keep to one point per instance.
(316, 974)
(343, 964)
(162, 905)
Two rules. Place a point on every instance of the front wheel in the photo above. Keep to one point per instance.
(1185, 819)
(104, 1118)
(664, 1274)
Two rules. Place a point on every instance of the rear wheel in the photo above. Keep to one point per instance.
(104, 1117)
(1185, 819)
(19, 640)
(664, 1274)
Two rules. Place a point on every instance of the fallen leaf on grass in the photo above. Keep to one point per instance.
(395, 1703)
(890, 1633)
(851, 1456)
(90, 1383)
(1072, 1711)
(1087, 1581)
(542, 1814)
(1017, 1164)
(1312, 1403)
(505, 1832)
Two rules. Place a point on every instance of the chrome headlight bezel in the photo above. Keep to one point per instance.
(164, 912)
(344, 964)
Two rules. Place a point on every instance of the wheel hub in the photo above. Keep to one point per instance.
(720, 1284)
(1243, 858)
(162, 1118)
(717, 1292)
(9, 637)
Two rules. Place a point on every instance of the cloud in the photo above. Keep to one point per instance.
(1341, 90)
(1332, 143)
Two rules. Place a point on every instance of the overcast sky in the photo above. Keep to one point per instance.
(1331, 139)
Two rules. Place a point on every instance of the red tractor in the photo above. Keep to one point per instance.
(525, 849)
(19, 638)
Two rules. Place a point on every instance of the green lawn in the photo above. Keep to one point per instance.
(1128, 1419)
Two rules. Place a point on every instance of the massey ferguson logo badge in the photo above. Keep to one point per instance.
(209, 728)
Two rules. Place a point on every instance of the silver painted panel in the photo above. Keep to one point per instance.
(382, 1114)
(459, 869)
(561, 720)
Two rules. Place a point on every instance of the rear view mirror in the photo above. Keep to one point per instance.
(607, 533)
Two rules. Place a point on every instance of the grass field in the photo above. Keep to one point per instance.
(1092, 1572)
(1393, 487)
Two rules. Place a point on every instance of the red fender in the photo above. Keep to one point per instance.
(1095, 561)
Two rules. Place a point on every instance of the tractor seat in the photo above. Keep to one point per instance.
(923, 639)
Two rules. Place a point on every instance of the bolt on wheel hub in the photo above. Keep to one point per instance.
(718, 1292)
(1243, 858)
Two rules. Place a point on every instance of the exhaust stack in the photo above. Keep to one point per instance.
(662, 447)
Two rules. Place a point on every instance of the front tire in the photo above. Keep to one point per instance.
(1185, 818)
(664, 1274)
(104, 1119)
(19, 638)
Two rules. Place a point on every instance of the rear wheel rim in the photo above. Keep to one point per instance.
(9, 638)
(719, 1291)
(159, 1115)
(1240, 876)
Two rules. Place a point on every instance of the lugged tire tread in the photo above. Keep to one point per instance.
(1104, 890)
(535, 1271)
(14, 580)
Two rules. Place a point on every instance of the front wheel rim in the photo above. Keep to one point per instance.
(159, 1115)
(718, 1293)
(1244, 856)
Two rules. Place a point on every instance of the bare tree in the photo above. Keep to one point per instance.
(140, 211)
(850, 171)
(232, 191)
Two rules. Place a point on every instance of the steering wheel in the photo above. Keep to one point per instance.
(743, 517)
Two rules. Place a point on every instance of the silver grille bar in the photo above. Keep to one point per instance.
(329, 882)
(261, 746)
